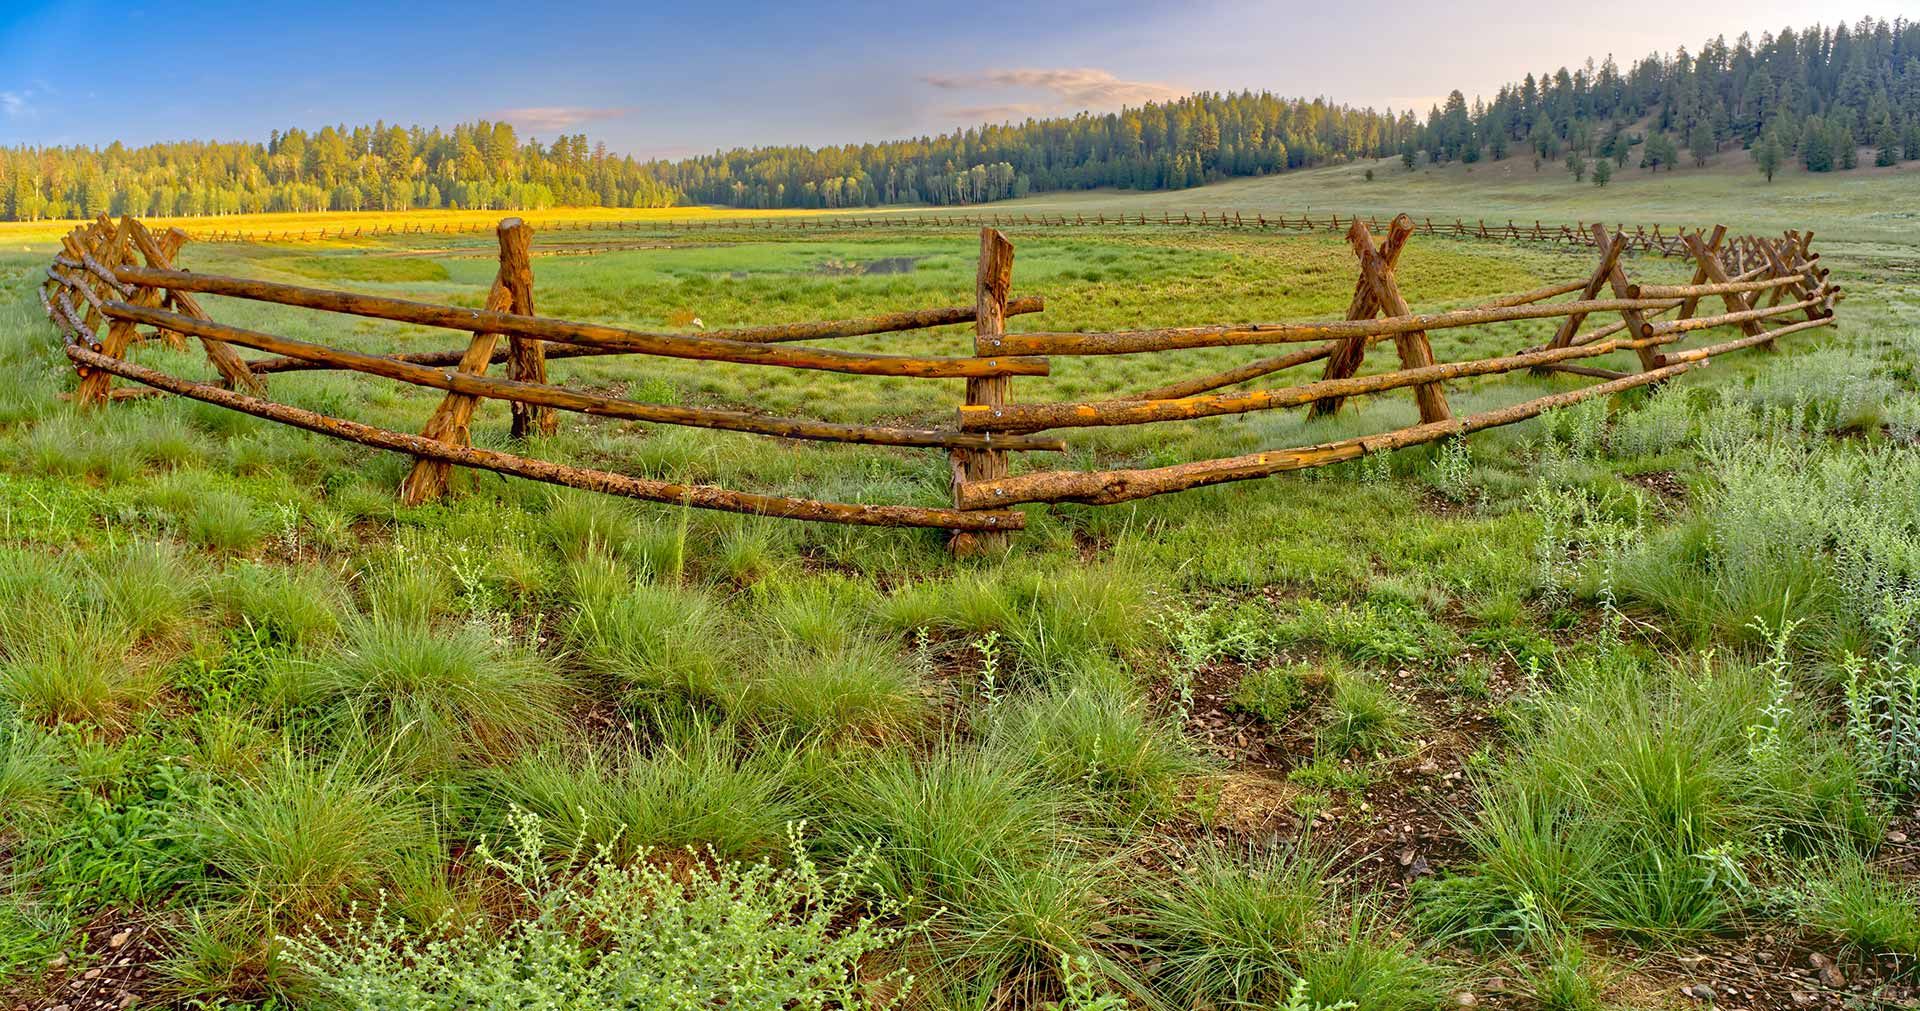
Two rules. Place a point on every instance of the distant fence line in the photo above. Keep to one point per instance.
(123, 276)
(1739, 253)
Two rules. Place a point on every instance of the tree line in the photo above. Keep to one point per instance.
(1815, 96)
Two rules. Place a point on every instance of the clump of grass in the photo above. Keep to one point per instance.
(74, 668)
(662, 642)
(302, 837)
(1842, 897)
(1097, 738)
(149, 589)
(861, 689)
(1363, 717)
(1276, 693)
(33, 773)
(297, 605)
(1228, 930)
(1567, 978)
(1631, 800)
(699, 789)
(431, 697)
(224, 521)
(939, 827)
(1054, 621)
(580, 524)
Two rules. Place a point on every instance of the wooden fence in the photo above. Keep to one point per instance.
(1741, 252)
(121, 276)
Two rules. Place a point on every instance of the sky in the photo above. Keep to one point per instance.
(660, 80)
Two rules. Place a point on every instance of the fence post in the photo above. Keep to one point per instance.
(526, 356)
(451, 422)
(1415, 351)
(991, 284)
(1345, 359)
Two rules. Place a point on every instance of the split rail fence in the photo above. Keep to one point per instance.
(121, 276)
(1743, 252)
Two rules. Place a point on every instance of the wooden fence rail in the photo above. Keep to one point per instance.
(120, 277)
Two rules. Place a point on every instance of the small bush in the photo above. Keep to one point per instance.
(1275, 694)
(612, 935)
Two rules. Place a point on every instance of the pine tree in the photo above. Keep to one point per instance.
(1576, 165)
(1701, 143)
(1602, 171)
(1767, 154)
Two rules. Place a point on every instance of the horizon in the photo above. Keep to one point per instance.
(934, 78)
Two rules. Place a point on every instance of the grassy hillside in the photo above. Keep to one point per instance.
(1584, 713)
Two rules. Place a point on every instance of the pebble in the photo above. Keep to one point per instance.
(59, 962)
(1465, 998)
(120, 939)
(1830, 974)
(1896, 837)
(1699, 991)
(1803, 998)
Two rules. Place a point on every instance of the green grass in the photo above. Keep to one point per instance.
(242, 687)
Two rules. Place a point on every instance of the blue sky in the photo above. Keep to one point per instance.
(670, 80)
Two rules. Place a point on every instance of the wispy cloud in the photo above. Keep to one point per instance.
(555, 118)
(16, 105)
(1065, 89)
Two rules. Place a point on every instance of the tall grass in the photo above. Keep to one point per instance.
(428, 697)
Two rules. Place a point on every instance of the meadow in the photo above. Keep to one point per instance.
(1584, 713)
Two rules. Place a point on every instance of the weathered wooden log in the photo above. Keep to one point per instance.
(586, 334)
(1751, 340)
(1746, 319)
(1609, 257)
(451, 420)
(1043, 416)
(1234, 376)
(1237, 335)
(1617, 280)
(1345, 359)
(526, 356)
(571, 400)
(1108, 487)
(1414, 350)
(1696, 291)
(993, 278)
(1586, 370)
(232, 370)
(777, 333)
(1536, 295)
(696, 496)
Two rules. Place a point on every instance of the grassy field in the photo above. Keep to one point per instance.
(1579, 714)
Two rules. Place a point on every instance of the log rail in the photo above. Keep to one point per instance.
(112, 278)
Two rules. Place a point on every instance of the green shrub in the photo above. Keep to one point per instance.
(1275, 694)
(633, 935)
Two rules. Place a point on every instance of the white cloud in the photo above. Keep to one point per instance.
(1065, 89)
(16, 104)
(556, 118)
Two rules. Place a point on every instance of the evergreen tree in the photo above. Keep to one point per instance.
(1767, 155)
(1700, 143)
(1576, 165)
(1602, 171)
